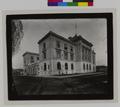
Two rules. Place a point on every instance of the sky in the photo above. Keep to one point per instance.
(93, 30)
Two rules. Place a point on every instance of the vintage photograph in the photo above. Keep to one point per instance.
(60, 56)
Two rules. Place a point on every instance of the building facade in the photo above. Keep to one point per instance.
(31, 63)
(60, 56)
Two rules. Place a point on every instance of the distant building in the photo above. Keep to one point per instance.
(58, 56)
(18, 72)
(101, 68)
(31, 63)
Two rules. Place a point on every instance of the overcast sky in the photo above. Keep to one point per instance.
(93, 30)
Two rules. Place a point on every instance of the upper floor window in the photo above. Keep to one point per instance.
(72, 56)
(58, 53)
(89, 55)
(65, 55)
(38, 68)
(93, 59)
(83, 53)
(32, 59)
(38, 58)
(44, 46)
(71, 49)
(44, 54)
(58, 44)
(65, 47)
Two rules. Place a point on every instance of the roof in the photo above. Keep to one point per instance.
(30, 53)
(77, 38)
(55, 35)
(71, 40)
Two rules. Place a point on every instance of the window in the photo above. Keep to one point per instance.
(72, 67)
(58, 44)
(58, 53)
(44, 54)
(93, 59)
(89, 67)
(83, 53)
(88, 55)
(71, 49)
(32, 59)
(38, 58)
(45, 67)
(59, 66)
(65, 55)
(44, 50)
(48, 67)
(66, 66)
(44, 45)
(65, 47)
(72, 56)
(83, 66)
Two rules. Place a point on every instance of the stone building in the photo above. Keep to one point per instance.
(59, 56)
(31, 63)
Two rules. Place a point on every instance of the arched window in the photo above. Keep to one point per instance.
(72, 67)
(59, 66)
(83, 66)
(66, 66)
(44, 66)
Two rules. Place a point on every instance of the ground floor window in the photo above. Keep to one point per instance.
(66, 66)
(44, 66)
(89, 67)
(59, 66)
(72, 66)
(93, 68)
(83, 66)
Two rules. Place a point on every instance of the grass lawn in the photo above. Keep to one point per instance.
(55, 86)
